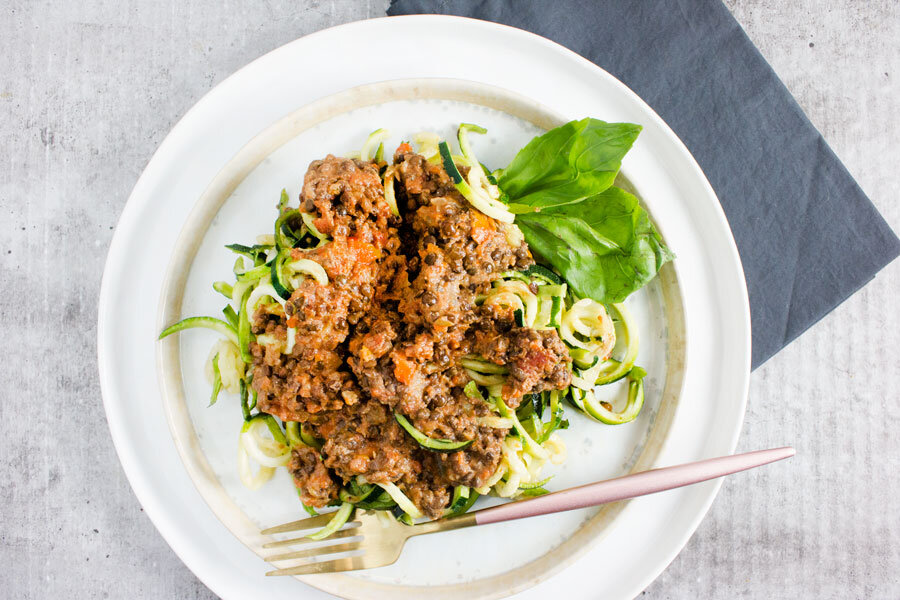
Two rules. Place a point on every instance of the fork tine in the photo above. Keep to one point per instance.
(311, 523)
(349, 563)
(322, 551)
(305, 540)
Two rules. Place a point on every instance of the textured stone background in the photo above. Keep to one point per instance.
(91, 88)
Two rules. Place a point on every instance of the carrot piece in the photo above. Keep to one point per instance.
(482, 226)
(363, 251)
(403, 370)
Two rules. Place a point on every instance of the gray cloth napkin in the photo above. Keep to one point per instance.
(807, 235)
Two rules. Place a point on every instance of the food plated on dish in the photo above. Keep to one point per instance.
(407, 336)
(209, 186)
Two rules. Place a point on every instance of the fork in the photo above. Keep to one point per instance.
(383, 537)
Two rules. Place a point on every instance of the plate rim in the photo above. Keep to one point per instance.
(129, 459)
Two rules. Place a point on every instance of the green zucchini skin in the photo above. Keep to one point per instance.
(277, 275)
(519, 317)
(218, 325)
(256, 252)
(347, 495)
(449, 165)
(340, 518)
(282, 238)
(632, 408)
(575, 397)
(460, 504)
(382, 501)
(217, 380)
(544, 273)
(427, 442)
(232, 316)
(244, 333)
(254, 273)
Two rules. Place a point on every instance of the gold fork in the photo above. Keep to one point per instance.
(383, 537)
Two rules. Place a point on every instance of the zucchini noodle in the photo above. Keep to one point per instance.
(481, 194)
(228, 360)
(263, 290)
(615, 370)
(374, 141)
(475, 187)
(590, 320)
(311, 268)
(263, 449)
(482, 366)
(520, 469)
(527, 441)
(269, 452)
(483, 372)
(251, 480)
(400, 498)
(495, 422)
(486, 380)
(340, 518)
(238, 290)
(514, 293)
(291, 340)
(427, 143)
(313, 231)
(389, 196)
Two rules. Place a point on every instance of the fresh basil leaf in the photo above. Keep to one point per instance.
(560, 186)
(615, 213)
(605, 247)
(568, 164)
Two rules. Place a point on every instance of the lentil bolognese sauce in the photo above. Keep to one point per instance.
(414, 353)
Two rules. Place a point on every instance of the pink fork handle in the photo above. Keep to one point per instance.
(631, 486)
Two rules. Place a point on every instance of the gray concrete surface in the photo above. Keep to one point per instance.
(91, 88)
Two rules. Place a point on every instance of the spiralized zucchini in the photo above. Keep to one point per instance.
(495, 422)
(400, 498)
(264, 449)
(427, 143)
(520, 469)
(373, 143)
(515, 294)
(268, 451)
(389, 196)
(587, 325)
(249, 479)
(475, 187)
(260, 292)
(228, 360)
(309, 267)
(313, 231)
(483, 372)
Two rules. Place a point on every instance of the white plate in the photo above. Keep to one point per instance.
(645, 536)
